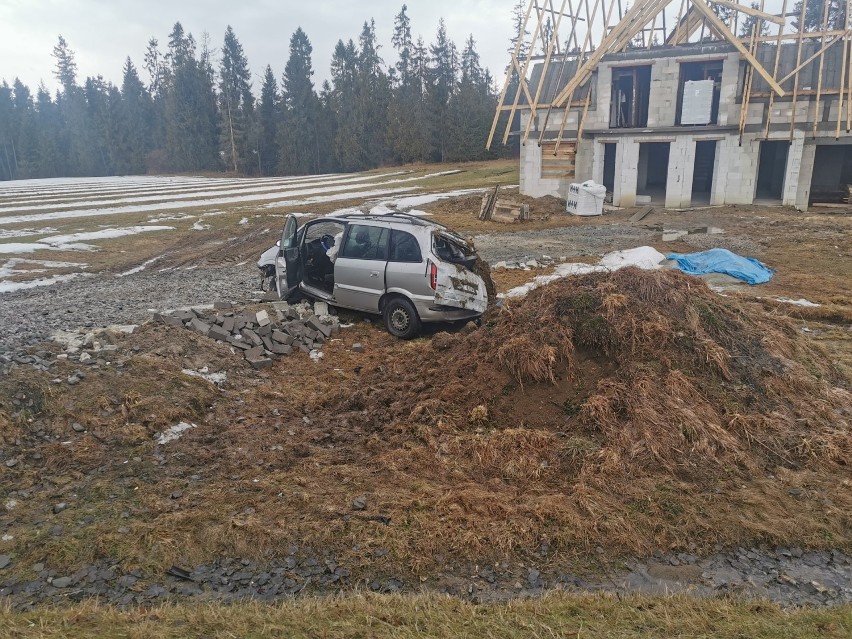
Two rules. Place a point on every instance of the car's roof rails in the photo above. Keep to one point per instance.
(396, 216)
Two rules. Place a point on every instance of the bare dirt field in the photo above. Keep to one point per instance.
(632, 432)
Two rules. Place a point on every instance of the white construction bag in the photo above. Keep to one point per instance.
(586, 198)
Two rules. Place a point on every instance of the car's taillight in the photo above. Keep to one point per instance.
(433, 276)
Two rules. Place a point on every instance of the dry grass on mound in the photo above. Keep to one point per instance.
(633, 410)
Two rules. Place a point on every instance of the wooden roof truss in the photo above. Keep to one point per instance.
(570, 38)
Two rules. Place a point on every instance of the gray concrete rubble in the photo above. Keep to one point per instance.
(261, 336)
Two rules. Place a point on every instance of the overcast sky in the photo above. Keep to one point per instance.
(102, 33)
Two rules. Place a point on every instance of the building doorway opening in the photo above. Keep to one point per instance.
(702, 172)
(771, 168)
(609, 167)
(832, 176)
(653, 170)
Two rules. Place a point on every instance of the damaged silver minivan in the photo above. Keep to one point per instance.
(407, 269)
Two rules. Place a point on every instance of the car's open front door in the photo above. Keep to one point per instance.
(288, 266)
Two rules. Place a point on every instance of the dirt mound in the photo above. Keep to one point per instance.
(618, 402)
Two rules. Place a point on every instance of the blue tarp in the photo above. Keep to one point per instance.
(719, 260)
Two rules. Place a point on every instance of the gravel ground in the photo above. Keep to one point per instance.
(790, 577)
(572, 241)
(29, 316)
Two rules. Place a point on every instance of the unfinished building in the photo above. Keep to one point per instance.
(663, 103)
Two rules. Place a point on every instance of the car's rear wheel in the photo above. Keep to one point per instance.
(401, 318)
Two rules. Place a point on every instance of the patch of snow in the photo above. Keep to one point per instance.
(140, 268)
(204, 373)
(428, 198)
(338, 197)
(243, 221)
(6, 234)
(198, 226)
(644, 257)
(9, 268)
(8, 287)
(63, 241)
(799, 302)
(98, 209)
(22, 247)
(174, 432)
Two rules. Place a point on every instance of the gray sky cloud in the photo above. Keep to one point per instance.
(103, 33)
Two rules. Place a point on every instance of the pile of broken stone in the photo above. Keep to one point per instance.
(258, 336)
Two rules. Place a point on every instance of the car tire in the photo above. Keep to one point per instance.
(401, 319)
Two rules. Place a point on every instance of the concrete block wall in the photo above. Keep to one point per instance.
(740, 165)
(599, 117)
(794, 166)
(531, 182)
(626, 172)
(587, 165)
(806, 171)
(662, 103)
(729, 110)
(681, 168)
(719, 187)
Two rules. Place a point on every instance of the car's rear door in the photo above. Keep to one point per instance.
(359, 271)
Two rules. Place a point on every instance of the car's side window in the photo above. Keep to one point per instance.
(366, 243)
(404, 247)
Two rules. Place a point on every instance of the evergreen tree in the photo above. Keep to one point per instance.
(298, 148)
(236, 105)
(835, 19)
(135, 115)
(190, 107)
(326, 130)
(471, 109)
(268, 118)
(24, 131)
(371, 100)
(406, 135)
(7, 164)
(344, 69)
(749, 21)
(47, 155)
(442, 83)
(66, 67)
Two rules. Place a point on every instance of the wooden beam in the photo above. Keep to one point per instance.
(801, 35)
(509, 79)
(817, 114)
(629, 26)
(769, 17)
(542, 79)
(722, 28)
(775, 72)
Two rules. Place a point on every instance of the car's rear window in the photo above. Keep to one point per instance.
(404, 247)
(451, 251)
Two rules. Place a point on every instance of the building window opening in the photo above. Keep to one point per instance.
(698, 93)
(631, 89)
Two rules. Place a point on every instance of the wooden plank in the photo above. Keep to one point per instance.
(752, 12)
(641, 214)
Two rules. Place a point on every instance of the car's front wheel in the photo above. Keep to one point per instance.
(401, 318)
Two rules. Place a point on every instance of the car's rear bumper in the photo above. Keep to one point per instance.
(435, 313)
